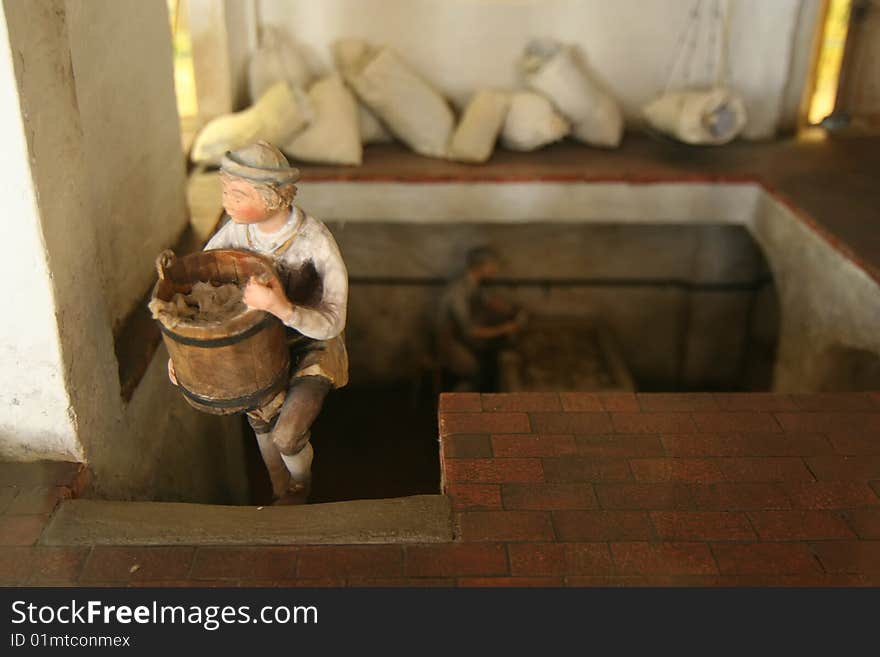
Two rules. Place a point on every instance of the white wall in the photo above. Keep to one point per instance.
(224, 33)
(34, 405)
(464, 45)
(131, 139)
(94, 168)
(828, 303)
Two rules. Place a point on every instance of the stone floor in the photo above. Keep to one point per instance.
(560, 489)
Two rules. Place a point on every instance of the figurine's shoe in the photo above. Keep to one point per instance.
(297, 493)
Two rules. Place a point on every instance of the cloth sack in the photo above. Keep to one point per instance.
(371, 128)
(559, 73)
(333, 136)
(715, 116)
(405, 103)
(349, 55)
(478, 129)
(276, 60)
(276, 117)
(531, 123)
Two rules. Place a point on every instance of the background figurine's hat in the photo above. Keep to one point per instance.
(259, 162)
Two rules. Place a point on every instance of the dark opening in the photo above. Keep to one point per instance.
(690, 307)
(371, 442)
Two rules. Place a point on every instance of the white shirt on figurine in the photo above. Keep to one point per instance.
(301, 241)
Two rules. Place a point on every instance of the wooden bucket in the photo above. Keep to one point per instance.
(226, 367)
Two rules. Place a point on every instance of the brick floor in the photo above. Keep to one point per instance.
(121, 565)
(29, 492)
(677, 490)
(575, 489)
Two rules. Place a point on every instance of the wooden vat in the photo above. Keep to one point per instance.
(564, 354)
(233, 365)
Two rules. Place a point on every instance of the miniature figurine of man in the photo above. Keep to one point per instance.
(311, 300)
(473, 325)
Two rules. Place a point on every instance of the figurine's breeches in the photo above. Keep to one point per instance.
(290, 428)
(459, 359)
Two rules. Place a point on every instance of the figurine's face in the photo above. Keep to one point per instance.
(488, 270)
(242, 202)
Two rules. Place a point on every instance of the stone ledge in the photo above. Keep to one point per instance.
(417, 519)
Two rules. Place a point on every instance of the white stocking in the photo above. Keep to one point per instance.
(299, 465)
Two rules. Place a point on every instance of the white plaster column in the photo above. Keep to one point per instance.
(41, 205)
(224, 35)
(94, 188)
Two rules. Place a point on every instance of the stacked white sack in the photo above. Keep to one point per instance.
(405, 103)
(276, 117)
(371, 128)
(333, 136)
(531, 123)
(276, 60)
(479, 127)
(559, 73)
(347, 53)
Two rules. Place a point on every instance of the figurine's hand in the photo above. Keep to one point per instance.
(517, 324)
(171, 373)
(512, 327)
(268, 296)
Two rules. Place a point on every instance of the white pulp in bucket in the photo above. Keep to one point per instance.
(206, 303)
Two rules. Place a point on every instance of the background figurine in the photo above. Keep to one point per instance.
(310, 299)
(473, 326)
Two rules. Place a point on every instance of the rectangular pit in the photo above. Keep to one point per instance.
(692, 307)
(707, 286)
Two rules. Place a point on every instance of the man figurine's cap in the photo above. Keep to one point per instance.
(259, 162)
